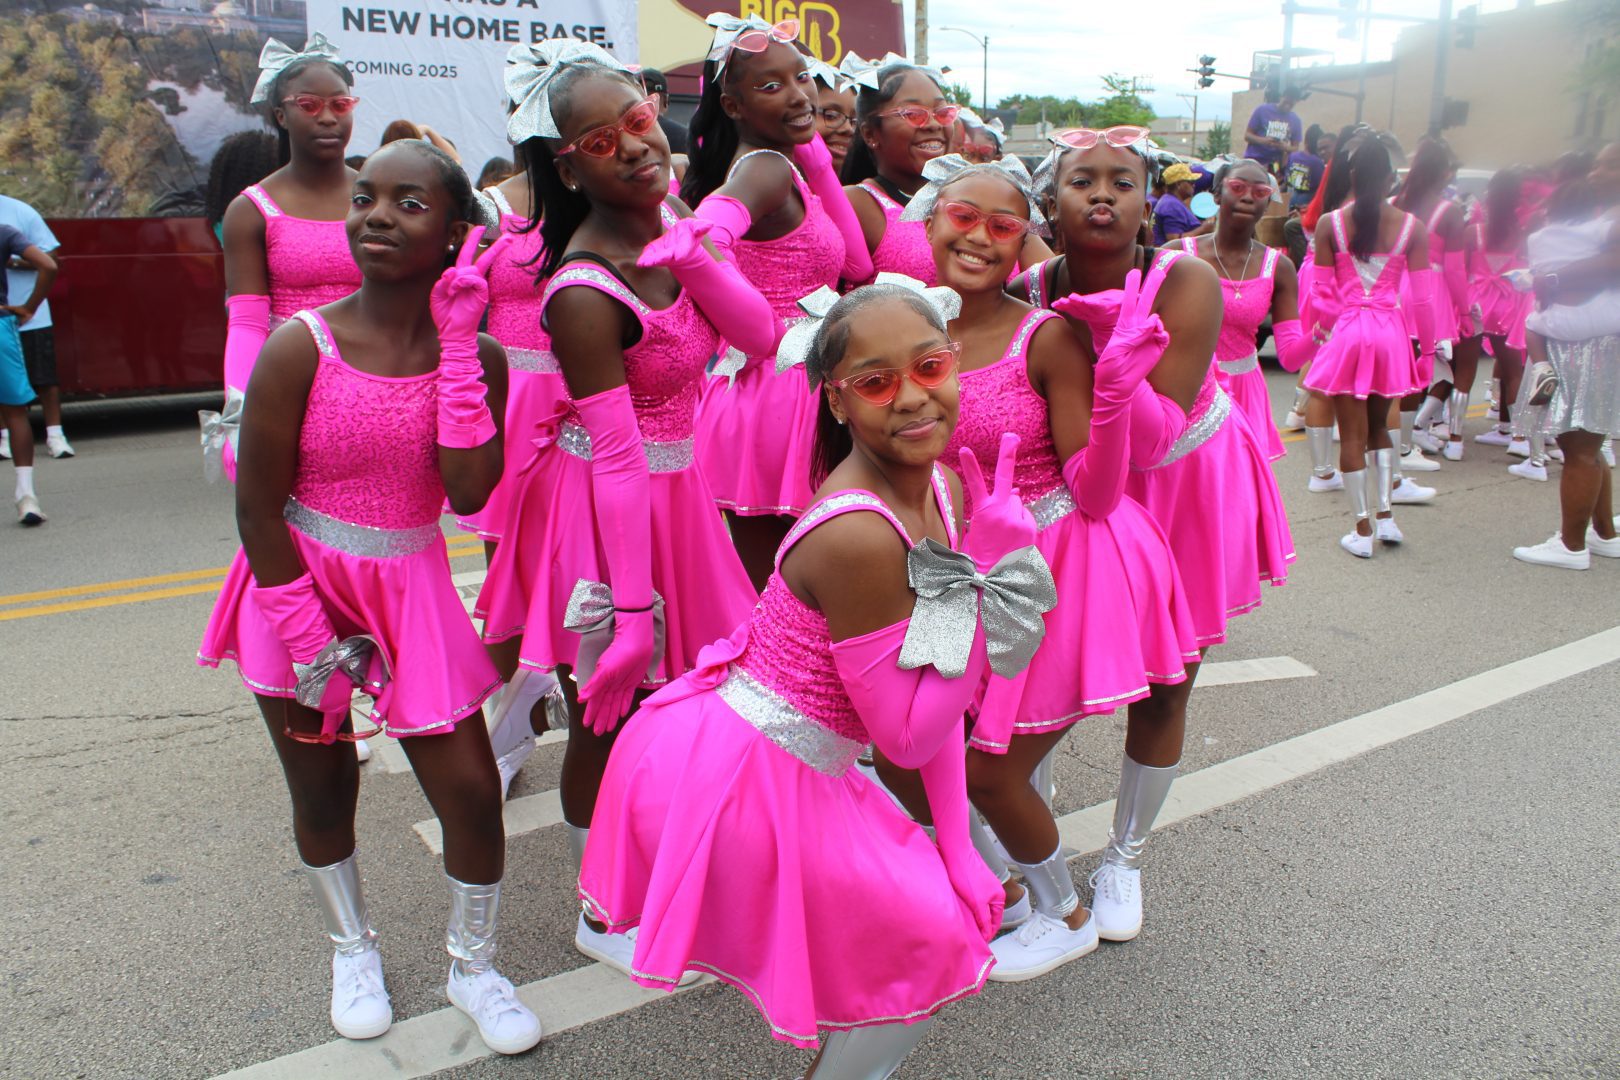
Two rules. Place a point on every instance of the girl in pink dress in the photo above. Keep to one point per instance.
(615, 568)
(365, 414)
(1121, 625)
(1362, 251)
(733, 830)
(1196, 465)
(1493, 248)
(284, 241)
(759, 171)
(1424, 196)
(1244, 189)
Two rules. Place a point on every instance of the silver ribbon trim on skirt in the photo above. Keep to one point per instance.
(218, 428)
(590, 614)
(953, 598)
(1201, 431)
(360, 540)
(1241, 366)
(538, 361)
(350, 657)
(662, 457)
(818, 746)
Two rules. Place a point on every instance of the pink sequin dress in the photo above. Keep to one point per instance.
(1121, 621)
(904, 248)
(1369, 353)
(1502, 308)
(1213, 494)
(364, 518)
(733, 828)
(534, 381)
(754, 435)
(308, 262)
(1245, 305)
(551, 544)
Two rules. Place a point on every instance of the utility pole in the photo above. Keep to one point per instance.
(1194, 99)
(919, 49)
(1366, 30)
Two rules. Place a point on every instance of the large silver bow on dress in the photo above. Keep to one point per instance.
(219, 428)
(953, 598)
(866, 72)
(276, 57)
(350, 657)
(590, 615)
(946, 168)
(529, 71)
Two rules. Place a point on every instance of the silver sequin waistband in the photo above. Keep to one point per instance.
(1052, 507)
(538, 361)
(821, 748)
(1201, 430)
(1241, 366)
(662, 457)
(362, 540)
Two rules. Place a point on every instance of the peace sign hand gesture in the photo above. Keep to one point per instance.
(461, 294)
(1000, 523)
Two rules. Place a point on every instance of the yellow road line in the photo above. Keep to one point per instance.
(108, 601)
(111, 586)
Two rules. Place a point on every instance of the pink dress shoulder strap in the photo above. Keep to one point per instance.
(590, 274)
(1439, 212)
(735, 165)
(502, 203)
(1407, 228)
(261, 198)
(857, 499)
(881, 197)
(324, 343)
(1268, 268)
(1339, 236)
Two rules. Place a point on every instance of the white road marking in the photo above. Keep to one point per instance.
(523, 815)
(1261, 669)
(441, 1039)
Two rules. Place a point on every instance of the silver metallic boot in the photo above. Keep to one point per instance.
(1323, 474)
(1045, 941)
(360, 1007)
(869, 1053)
(1457, 409)
(1382, 476)
(1116, 905)
(506, 1025)
(1356, 489)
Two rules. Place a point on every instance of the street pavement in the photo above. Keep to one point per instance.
(1392, 855)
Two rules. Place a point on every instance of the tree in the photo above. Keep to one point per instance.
(1218, 141)
(1059, 112)
(1123, 105)
(957, 94)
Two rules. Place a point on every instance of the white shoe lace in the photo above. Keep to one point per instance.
(1113, 884)
(492, 997)
(358, 980)
(1039, 925)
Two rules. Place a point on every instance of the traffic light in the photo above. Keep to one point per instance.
(1467, 24)
(1350, 19)
(1206, 69)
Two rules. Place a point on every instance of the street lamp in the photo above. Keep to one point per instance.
(984, 43)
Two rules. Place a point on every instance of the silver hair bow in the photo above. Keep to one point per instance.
(942, 170)
(953, 598)
(866, 72)
(828, 75)
(590, 614)
(276, 57)
(350, 657)
(795, 346)
(1045, 177)
(529, 71)
(219, 428)
(489, 214)
(942, 299)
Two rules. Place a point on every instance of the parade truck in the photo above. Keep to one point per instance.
(111, 114)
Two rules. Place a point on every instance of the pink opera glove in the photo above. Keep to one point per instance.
(743, 317)
(1423, 300)
(247, 325)
(620, 492)
(944, 778)
(1325, 301)
(1001, 523)
(1455, 271)
(457, 303)
(815, 162)
(1156, 423)
(730, 218)
(294, 611)
(1294, 349)
(1096, 475)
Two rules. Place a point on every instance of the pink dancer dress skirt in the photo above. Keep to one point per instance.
(364, 519)
(1502, 308)
(1369, 354)
(733, 829)
(1122, 622)
(755, 423)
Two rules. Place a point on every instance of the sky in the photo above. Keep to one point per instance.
(1048, 44)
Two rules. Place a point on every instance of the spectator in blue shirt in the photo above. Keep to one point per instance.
(1274, 130)
(15, 393)
(38, 344)
(1172, 217)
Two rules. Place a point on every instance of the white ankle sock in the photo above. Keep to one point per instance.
(25, 481)
(53, 431)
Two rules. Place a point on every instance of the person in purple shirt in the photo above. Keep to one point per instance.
(1171, 215)
(1274, 130)
(15, 391)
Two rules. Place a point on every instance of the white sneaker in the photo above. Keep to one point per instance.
(57, 446)
(510, 762)
(617, 951)
(362, 750)
(5, 444)
(1519, 448)
(1414, 461)
(1552, 552)
(1426, 440)
(1493, 412)
(1441, 431)
(1529, 470)
(1326, 483)
(1293, 421)
(1040, 945)
(1387, 531)
(1555, 453)
(1356, 544)
(1017, 914)
(1410, 493)
(1116, 903)
(28, 511)
(1453, 451)
(1609, 549)
(1495, 437)
(360, 1008)
(506, 1025)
